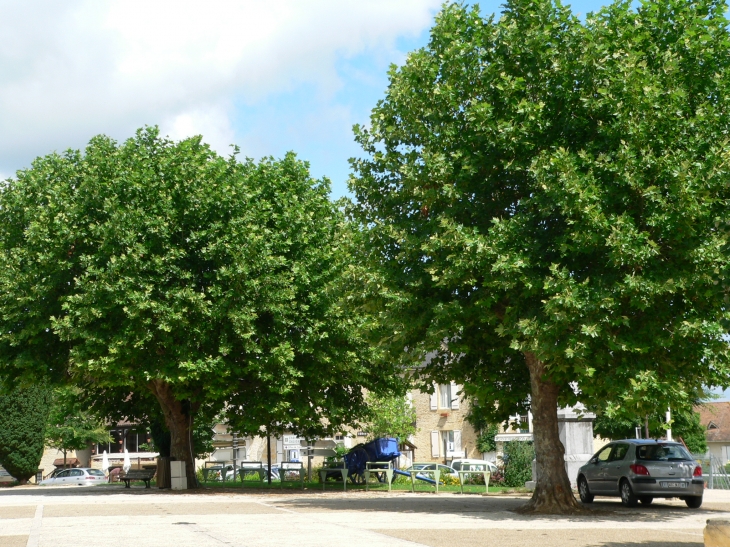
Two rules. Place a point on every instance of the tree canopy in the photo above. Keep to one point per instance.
(158, 270)
(545, 201)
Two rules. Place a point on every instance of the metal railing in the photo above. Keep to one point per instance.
(713, 472)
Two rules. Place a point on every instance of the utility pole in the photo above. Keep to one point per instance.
(235, 453)
(268, 452)
(669, 421)
(309, 460)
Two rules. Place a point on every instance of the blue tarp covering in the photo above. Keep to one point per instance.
(380, 450)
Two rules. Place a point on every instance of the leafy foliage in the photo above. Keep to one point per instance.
(685, 424)
(517, 457)
(487, 431)
(390, 416)
(688, 427)
(485, 440)
(23, 417)
(539, 189)
(70, 425)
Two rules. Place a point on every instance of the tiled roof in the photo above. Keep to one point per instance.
(715, 418)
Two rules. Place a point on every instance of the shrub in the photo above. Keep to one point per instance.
(518, 456)
(23, 418)
(485, 441)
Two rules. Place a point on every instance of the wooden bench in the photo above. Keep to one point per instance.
(145, 475)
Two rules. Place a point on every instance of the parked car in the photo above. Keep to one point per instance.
(639, 470)
(445, 469)
(474, 465)
(81, 476)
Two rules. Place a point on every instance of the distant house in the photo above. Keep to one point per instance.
(715, 418)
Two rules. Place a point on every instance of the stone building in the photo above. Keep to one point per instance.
(443, 431)
(715, 418)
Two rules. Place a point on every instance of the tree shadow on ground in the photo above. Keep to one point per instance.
(493, 508)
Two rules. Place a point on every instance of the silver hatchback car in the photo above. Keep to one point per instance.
(640, 470)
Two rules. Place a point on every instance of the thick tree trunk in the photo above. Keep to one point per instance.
(179, 421)
(553, 494)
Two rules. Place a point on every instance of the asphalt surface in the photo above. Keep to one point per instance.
(112, 516)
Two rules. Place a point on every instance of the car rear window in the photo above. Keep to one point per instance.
(662, 453)
(95, 472)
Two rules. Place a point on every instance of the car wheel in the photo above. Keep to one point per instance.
(646, 500)
(693, 502)
(583, 492)
(627, 494)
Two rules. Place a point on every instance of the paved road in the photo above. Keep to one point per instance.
(111, 517)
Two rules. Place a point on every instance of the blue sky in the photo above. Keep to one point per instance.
(268, 77)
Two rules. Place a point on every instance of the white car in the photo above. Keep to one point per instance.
(444, 469)
(82, 476)
(474, 465)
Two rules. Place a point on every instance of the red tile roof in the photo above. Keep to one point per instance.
(715, 418)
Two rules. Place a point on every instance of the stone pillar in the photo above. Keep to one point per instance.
(576, 433)
(717, 533)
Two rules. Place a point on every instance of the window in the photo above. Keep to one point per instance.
(662, 453)
(445, 396)
(619, 452)
(76, 473)
(448, 440)
(451, 443)
(604, 454)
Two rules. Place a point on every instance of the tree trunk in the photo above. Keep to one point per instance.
(553, 494)
(179, 421)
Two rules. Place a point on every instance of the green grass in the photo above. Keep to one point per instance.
(335, 486)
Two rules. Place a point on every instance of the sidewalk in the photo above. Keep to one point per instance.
(72, 517)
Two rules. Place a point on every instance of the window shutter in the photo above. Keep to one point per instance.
(454, 396)
(457, 444)
(435, 438)
(434, 397)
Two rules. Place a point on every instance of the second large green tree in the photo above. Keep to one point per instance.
(545, 203)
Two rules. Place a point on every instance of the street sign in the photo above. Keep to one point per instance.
(291, 440)
(327, 443)
(320, 452)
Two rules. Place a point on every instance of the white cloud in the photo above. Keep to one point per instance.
(77, 68)
(213, 122)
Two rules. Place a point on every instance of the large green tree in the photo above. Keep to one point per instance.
(161, 269)
(70, 424)
(23, 418)
(543, 198)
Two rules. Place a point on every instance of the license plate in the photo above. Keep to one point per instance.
(665, 484)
